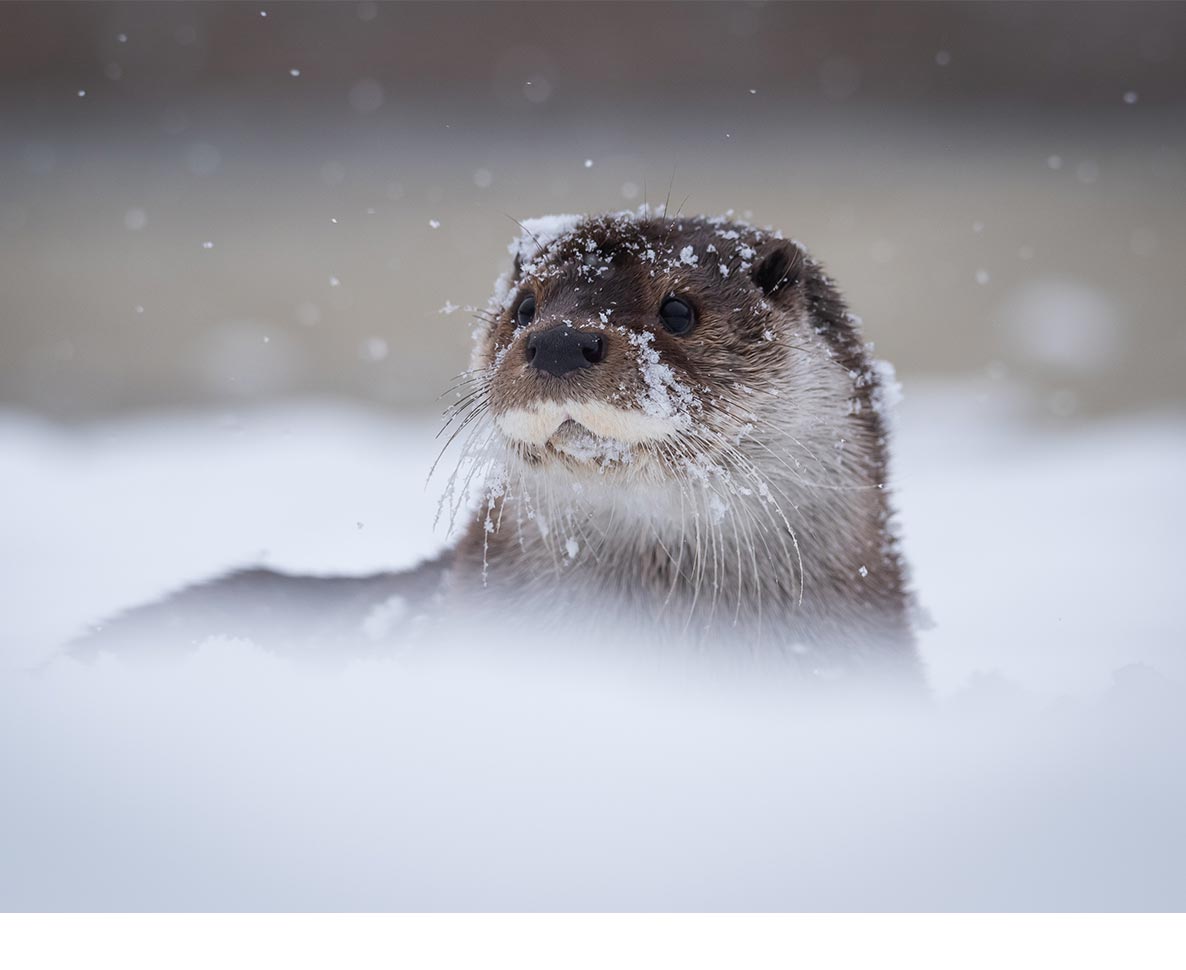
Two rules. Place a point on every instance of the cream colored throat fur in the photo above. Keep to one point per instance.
(535, 425)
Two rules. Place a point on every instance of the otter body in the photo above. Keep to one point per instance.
(671, 425)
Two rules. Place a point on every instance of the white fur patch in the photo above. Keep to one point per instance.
(537, 424)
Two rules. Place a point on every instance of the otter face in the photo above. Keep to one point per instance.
(649, 347)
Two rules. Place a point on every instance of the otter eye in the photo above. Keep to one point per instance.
(677, 316)
(526, 311)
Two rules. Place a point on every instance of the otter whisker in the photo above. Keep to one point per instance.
(759, 423)
(477, 380)
(477, 459)
(539, 246)
(452, 412)
(477, 412)
(467, 377)
(463, 458)
(764, 488)
(732, 508)
(664, 450)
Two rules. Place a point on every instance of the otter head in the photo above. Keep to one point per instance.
(629, 343)
(642, 350)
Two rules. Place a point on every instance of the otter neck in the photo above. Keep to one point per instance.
(694, 553)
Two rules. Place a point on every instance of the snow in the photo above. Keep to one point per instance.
(384, 620)
(665, 396)
(536, 235)
(373, 349)
(887, 395)
(542, 231)
(488, 775)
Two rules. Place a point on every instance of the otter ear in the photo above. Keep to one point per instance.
(778, 268)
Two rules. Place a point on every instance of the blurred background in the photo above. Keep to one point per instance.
(217, 205)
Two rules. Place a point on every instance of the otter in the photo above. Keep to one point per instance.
(669, 424)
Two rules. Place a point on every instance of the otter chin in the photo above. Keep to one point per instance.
(552, 421)
(674, 423)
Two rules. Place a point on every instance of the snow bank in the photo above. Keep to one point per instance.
(1045, 775)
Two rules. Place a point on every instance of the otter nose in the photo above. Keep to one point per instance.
(563, 349)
